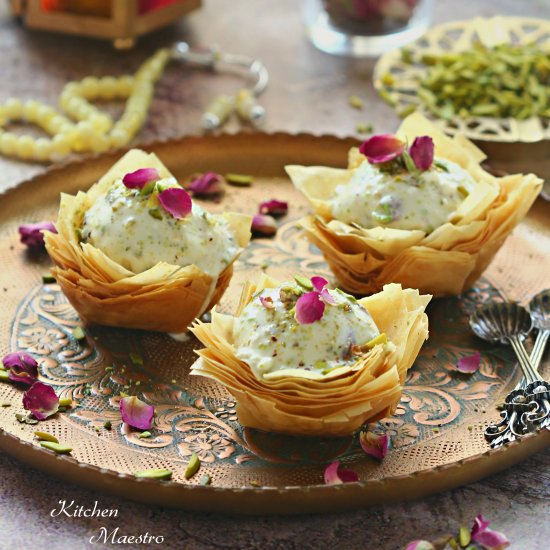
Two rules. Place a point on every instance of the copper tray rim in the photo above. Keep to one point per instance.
(275, 500)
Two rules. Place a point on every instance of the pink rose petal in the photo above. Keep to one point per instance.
(274, 207)
(319, 283)
(31, 234)
(136, 413)
(267, 302)
(374, 445)
(141, 177)
(469, 363)
(263, 224)
(422, 152)
(176, 201)
(41, 400)
(327, 297)
(420, 545)
(489, 539)
(335, 476)
(382, 148)
(207, 185)
(22, 367)
(309, 308)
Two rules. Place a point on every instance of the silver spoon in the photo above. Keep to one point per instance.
(527, 408)
(539, 308)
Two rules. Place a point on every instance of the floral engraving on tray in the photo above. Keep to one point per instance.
(194, 415)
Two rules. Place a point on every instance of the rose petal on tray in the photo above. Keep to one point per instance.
(41, 400)
(31, 234)
(489, 539)
(334, 475)
(22, 367)
(139, 178)
(374, 445)
(262, 224)
(469, 363)
(207, 185)
(382, 148)
(176, 201)
(274, 207)
(136, 413)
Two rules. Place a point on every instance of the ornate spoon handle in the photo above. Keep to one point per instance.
(527, 408)
(536, 354)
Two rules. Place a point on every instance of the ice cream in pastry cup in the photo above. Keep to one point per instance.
(415, 209)
(300, 358)
(135, 251)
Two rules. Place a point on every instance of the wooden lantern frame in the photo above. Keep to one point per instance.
(123, 27)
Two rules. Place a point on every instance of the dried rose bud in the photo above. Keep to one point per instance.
(207, 185)
(382, 148)
(32, 236)
(274, 208)
(422, 152)
(264, 225)
(22, 367)
(140, 178)
(41, 400)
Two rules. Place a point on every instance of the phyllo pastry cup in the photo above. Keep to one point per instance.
(445, 261)
(164, 297)
(335, 402)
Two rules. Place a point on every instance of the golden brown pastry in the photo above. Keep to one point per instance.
(302, 359)
(428, 222)
(134, 251)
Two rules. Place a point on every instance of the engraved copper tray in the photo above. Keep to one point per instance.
(437, 431)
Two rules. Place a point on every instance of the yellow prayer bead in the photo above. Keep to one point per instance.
(101, 122)
(61, 144)
(8, 143)
(90, 87)
(14, 108)
(107, 87)
(64, 100)
(43, 149)
(119, 136)
(125, 85)
(44, 114)
(99, 143)
(54, 124)
(30, 108)
(72, 88)
(24, 147)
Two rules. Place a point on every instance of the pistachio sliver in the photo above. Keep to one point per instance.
(205, 479)
(56, 447)
(159, 473)
(193, 466)
(304, 282)
(44, 436)
(65, 402)
(4, 375)
(78, 333)
(48, 279)
(380, 339)
(239, 179)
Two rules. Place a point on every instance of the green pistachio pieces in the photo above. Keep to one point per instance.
(48, 279)
(78, 333)
(144, 435)
(355, 102)
(44, 436)
(380, 339)
(193, 466)
(242, 180)
(464, 536)
(4, 375)
(136, 358)
(155, 213)
(65, 402)
(205, 479)
(26, 419)
(507, 80)
(363, 128)
(304, 282)
(56, 447)
(107, 425)
(154, 474)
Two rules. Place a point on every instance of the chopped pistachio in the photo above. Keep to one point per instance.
(193, 466)
(159, 473)
(136, 358)
(65, 402)
(25, 419)
(56, 447)
(255, 483)
(355, 102)
(155, 213)
(406, 111)
(5, 405)
(242, 180)
(48, 279)
(107, 425)
(304, 282)
(363, 128)
(205, 479)
(464, 536)
(144, 435)
(4, 375)
(44, 436)
(382, 338)
(78, 333)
